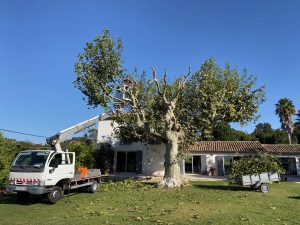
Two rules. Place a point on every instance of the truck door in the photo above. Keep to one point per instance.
(60, 166)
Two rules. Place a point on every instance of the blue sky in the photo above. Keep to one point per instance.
(40, 40)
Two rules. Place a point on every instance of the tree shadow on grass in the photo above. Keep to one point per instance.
(223, 187)
(11, 199)
(294, 197)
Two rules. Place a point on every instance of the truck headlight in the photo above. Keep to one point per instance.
(42, 183)
(37, 182)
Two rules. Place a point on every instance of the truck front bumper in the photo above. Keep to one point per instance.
(35, 190)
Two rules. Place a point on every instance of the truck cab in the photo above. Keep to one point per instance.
(38, 171)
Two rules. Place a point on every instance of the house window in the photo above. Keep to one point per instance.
(193, 164)
(289, 165)
(228, 161)
(130, 162)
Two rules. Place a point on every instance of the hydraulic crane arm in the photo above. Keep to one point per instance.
(61, 136)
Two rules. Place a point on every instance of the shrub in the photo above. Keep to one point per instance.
(8, 149)
(84, 151)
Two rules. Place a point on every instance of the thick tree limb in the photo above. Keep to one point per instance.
(181, 85)
(158, 86)
(156, 81)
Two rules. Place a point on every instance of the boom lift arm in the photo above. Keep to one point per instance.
(55, 140)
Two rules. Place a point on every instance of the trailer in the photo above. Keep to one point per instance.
(52, 172)
(260, 181)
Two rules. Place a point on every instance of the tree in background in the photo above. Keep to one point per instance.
(285, 110)
(9, 148)
(297, 127)
(280, 137)
(223, 132)
(174, 113)
(84, 150)
(264, 133)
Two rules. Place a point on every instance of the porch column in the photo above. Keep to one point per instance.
(203, 165)
(298, 165)
(182, 166)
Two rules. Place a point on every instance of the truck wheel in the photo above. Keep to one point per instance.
(23, 196)
(93, 187)
(55, 194)
(264, 188)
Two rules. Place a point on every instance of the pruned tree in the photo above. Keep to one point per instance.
(285, 110)
(156, 108)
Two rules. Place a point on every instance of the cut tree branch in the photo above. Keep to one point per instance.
(162, 93)
(156, 80)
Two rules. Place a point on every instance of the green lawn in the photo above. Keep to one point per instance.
(135, 203)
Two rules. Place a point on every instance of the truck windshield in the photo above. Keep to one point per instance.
(34, 159)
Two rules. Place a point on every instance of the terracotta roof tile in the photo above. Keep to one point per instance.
(282, 148)
(226, 147)
(215, 147)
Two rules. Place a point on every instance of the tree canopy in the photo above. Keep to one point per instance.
(175, 112)
(223, 132)
(265, 134)
(215, 95)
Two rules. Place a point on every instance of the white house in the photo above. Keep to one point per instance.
(205, 157)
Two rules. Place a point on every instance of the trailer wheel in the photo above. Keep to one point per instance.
(55, 194)
(264, 188)
(23, 196)
(93, 187)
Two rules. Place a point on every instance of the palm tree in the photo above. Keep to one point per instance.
(297, 123)
(285, 110)
(297, 126)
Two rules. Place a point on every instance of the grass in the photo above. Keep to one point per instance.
(136, 203)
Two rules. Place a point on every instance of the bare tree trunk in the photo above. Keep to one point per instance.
(172, 177)
(290, 140)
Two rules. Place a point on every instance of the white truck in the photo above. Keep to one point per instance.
(51, 172)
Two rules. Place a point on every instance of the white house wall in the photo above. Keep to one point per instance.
(106, 132)
(298, 165)
(207, 162)
(210, 161)
(153, 160)
(153, 156)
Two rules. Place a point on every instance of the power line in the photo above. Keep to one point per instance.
(17, 132)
